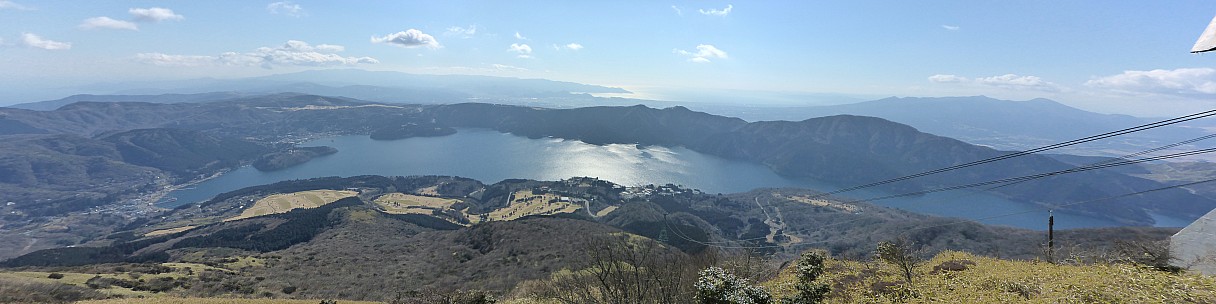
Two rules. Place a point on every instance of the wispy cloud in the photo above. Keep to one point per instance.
(6, 4)
(107, 23)
(286, 8)
(943, 78)
(503, 67)
(704, 53)
(573, 46)
(717, 12)
(176, 60)
(523, 50)
(1007, 81)
(520, 36)
(465, 32)
(292, 53)
(410, 38)
(155, 14)
(1184, 81)
(678, 10)
(35, 41)
(950, 27)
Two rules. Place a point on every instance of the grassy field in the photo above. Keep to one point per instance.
(525, 203)
(400, 203)
(169, 231)
(606, 211)
(989, 280)
(79, 279)
(280, 203)
(820, 202)
(213, 301)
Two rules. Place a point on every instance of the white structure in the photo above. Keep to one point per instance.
(1194, 247)
(1207, 40)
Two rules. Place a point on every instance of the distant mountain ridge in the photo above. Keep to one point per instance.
(1002, 124)
(380, 86)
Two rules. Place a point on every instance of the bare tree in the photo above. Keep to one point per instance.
(900, 254)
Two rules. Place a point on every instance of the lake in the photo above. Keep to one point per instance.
(490, 156)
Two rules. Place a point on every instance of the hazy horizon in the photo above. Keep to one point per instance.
(1102, 57)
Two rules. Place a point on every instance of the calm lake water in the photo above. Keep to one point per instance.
(490, 156)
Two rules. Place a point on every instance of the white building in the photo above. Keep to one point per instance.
(1194, 247)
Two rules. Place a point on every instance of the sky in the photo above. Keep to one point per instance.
(1128, 57)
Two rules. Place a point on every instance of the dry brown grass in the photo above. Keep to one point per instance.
(281, 203)
(959, 277)
(400, 203)
(526, 203)
(213, 301)
(169, 231)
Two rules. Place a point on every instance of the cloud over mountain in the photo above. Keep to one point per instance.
(292, 53)
(1007, 81)
(1183, 81)
(410, 38)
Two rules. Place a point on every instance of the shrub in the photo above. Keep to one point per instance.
(952, 265)
(810, 267)
(55, 275)
(716, 286)
(16, 291)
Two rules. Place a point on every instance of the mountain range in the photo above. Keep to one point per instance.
(380, 86)
(1001, 124)
(838, 149)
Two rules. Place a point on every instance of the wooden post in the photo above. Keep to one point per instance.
(1051, 237)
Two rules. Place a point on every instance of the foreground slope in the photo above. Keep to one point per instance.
(960, 277)
(358, 248)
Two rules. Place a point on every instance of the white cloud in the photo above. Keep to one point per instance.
(704, 53)
(410, 38)
(292, 53)
(718, 12)
(32, 40)
(155, 14)
(286, 8)
(465, 32)
(941, 78)
(678, 10)
(330, 48)
(1183, 81)
(1007, 81)
(175, 60)
(950, 27)
(503, 67)
(108, 23)
(1014, 80)
(520, 37)
(6, 4)
(573, 46)
(524, 50)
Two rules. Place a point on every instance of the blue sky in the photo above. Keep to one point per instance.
(1108, 56)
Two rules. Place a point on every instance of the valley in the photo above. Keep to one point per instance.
(361, 241)
(191, 142)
